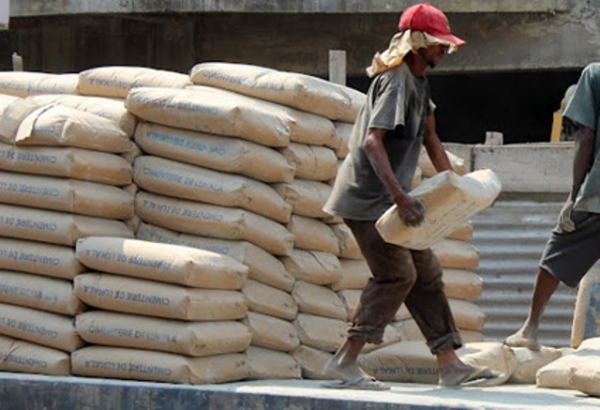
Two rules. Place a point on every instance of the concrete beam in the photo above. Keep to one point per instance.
(30, 8)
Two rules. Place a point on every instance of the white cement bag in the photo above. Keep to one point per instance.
(24, 357)
(69, 127)
(39, 258)
(198, 339)
(217, 152)
(318, 300)
(530, 361)
(304, 127)
(172, 178)
(143, 297)
(67, 195)
(312, 362)
(272, 333)
(205, 111)
(454, 254)
(450, 201)
(38, 292)
(268, 300)
(307, 197)
(312, 234)
(161, 262)
(319, 268)
(66, 162)
(262, 266)
(214, 221)
(493, 355)
(56, 227)
(36, 326)
(271, 364)
(462, 284)
(348, 246)
(556, 373)
(25, 83)
(312, 162)
(320, 332)
(586, 318)
(133, 364)
(111, 109)
(586, 377)
(301, 91)
(355, 274)
(428, 169)
(116, 81)
(13, 111)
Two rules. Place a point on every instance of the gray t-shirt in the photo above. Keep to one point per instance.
(584, 109)
(398, 102)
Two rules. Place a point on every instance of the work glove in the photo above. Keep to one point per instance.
(565, 224)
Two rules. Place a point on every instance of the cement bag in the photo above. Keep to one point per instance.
(304, 127)
(462, 233)
(586, 377)
(205, 111)
(111, 109)
(271, 364)
(13, 111)
(319, 268)
(318, 300)
(355, 275)
(262, 266)
(343, 131)
(586, 318)
(408, 329)
(496, 356)
(25, 83)
(214, 221)
(320, 332)
(196, 339)
(56, 227)
(307, 197)
(39, 258)
(271, 333)
(24, 357)
(453, 254)
(349, 298)
(312, 162)
(172, 178)
(347, 243)
(268, 300)
(530, 361)
(307, 93)
(428, 169)
(60, 126)
(312, 362)
(150, 298)
(462, 284)
(312, 234)
(220, 153)
(42, 328)
(160, 262)
(556, 374)
(40, 293)
(67, 195)
(467, 315)
(116, 81)
(72, 163)
(133, 364)
(450, 201)
(407, 362)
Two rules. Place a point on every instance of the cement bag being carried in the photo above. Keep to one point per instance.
(24, 357)
(66, 162)
(111, 109)
(450, 201)
(161, 262)
(55, 125)
(116, 81)
(217, 152)
(301, 91)
(586, 318)
(207, 111)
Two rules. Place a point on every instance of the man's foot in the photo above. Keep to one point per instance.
(470, 376)
(344, 373)
(520, 340)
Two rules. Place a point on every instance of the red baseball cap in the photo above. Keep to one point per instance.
(427, 18)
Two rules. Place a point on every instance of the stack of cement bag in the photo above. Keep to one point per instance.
(63, 178)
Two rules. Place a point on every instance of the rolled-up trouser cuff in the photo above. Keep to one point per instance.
(445, 343)
(369, 334)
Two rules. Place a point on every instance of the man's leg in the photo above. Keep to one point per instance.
(545, 286)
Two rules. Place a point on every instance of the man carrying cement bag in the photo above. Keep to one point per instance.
(384, 152)
(574, 244)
